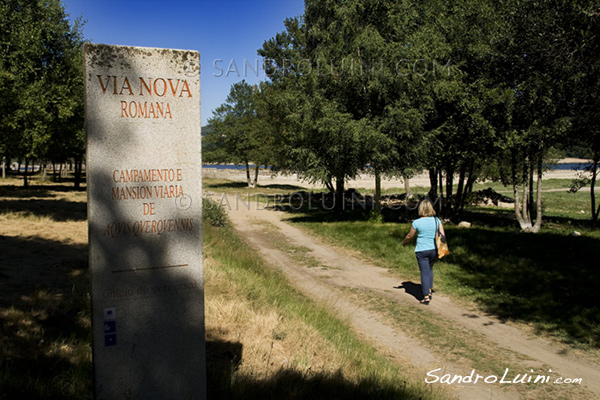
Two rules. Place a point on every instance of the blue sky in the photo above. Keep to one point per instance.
(227, 33)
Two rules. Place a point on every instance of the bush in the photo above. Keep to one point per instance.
(213, 213)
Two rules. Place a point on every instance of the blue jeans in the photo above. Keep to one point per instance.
(426, 259)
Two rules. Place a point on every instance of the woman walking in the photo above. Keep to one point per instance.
(425, 227)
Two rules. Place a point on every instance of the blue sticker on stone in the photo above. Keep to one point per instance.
(110, 340)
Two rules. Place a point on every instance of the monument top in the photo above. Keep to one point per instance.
(114, 56)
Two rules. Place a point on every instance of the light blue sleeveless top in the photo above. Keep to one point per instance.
(425, 228)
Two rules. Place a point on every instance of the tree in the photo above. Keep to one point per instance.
(584, 45)
(508, 102)
(341, 103)
(41, 80)
(536, 68)
(318, 138)
(236, 132)
(467, 103)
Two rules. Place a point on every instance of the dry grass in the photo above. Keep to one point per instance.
(271, 341)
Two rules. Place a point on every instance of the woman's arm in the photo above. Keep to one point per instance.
(409, 236)
(442, 229)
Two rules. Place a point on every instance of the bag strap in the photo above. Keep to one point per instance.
(436, 232)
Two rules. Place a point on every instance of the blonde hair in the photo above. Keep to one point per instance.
(426, 209)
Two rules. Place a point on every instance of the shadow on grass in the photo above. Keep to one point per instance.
(295, 385)
(57, 210)
(225, 382)
(42, 201)
(282, 187)
(543, 278)
(44, 320)
(506, 218)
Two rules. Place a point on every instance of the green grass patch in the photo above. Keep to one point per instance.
(568, 208)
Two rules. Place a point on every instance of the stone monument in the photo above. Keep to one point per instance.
(144, 170)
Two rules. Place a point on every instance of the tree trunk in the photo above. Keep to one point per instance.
(530, 199)
(595, 211)
(469, 185)
(518, 213)
(60, 172)
(472, 177)
(538, 216)
(441, 187)
(449, 211)
(256, 175)
(406, 185)
(329, 185)
(25, 181)
(78, 167)
(3, 167)
(248, 179)
(525, 206)
(339, 194)
(459, 190)
(377, 198)
(433, 183)
(449, 182)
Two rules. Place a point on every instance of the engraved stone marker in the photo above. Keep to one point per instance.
(145, 226)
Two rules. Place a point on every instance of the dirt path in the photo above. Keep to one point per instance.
(325, 272)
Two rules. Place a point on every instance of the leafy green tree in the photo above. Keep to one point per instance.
(318, 138)
(467, 103)
(41, 82)
(236, 132)
(341, 102)
(508, 101)
(536, 68)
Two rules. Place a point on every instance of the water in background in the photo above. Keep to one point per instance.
(230, 166)
(559, 167)
(568, 166)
